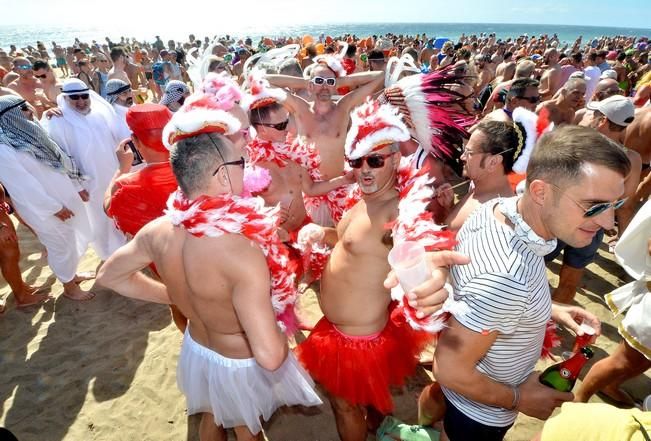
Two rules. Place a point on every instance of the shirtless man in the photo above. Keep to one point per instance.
(232, 328)
(506, 69)
(487, 159)
(567, 102)
(43, 72)
(354, 351)
(485, 72)
(638, 138)
(550, 81)
(119, 59)
(29, 87)
(522, 93)
(523, 69)
(324, 122)
(60, 56)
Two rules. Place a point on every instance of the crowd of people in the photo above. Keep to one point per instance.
(315, 161)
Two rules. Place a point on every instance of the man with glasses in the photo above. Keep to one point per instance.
(324, 122)
(485, 358)
(523, 92)
(43, 72)
(28, 87)
(362, 345)
(87, 131)
(120, 96)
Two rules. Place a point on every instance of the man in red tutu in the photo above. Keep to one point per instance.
(135, 199)
(363, 345)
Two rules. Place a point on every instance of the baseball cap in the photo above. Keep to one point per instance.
(618, 109)
(608, 74)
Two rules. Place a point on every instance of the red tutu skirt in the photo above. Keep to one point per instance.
(360, 369)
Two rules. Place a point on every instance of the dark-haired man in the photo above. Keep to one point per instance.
(484, 359)
(26, 86)
(523, 92)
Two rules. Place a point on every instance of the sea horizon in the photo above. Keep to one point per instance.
(22, 35)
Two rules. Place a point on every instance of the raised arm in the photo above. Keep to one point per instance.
(311, 188)
(294, 104)
(368, 83)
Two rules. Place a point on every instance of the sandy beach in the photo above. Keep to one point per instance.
(106, 369)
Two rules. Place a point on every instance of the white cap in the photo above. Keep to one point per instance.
(608, 74)
(618, 109)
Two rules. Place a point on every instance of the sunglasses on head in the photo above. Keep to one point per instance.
(596, 209)
(373, 161)
(531, 99)
(278, 126)
(240, 163)
(83, 96)
(328, 81)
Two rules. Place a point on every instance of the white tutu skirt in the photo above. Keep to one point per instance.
(238, 391)
(635, 299)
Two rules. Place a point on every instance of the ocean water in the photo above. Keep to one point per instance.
(22, 36)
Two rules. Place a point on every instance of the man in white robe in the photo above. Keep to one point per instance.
(46, 190)
(88, 133)
(120, 96)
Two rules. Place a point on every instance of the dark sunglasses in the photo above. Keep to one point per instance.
(240, 162)
(596, 209)
(373, 161)
(531, 99)
(83, 96)
(43, 76)
(278, 126)
(329, 81)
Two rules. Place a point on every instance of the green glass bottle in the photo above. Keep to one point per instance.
(562, 376)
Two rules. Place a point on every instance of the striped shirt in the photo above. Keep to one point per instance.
(506, 289)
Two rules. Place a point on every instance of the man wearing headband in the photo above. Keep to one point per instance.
(119, 94)
(485, 359)
(324, 122)
(46, 189)
(218, 254)
(87, 131)
(363, 344)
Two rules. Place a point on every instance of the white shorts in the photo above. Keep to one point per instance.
(635, 328)
(238, 391)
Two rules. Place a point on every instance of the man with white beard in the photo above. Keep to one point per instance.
(46, 190)
(120, 96)
(88, 133)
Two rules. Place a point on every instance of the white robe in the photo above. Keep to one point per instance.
(91, 140)
(123, 130)
(38, 192)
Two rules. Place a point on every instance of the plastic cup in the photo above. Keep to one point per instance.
(407, 259)
(583, 340)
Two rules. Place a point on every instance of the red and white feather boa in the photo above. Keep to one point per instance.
(280, 153)
(229, 214)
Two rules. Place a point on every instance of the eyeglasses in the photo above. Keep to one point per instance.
(103, 61)
(278, 126)
(373, 161)
(531, 99)
(43, 76)
(328, 81)
(596, 209)
(24, 66)
(83, 96)
(240, 162)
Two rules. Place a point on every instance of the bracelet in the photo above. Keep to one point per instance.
(516, 398)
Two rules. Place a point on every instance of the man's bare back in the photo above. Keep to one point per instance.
(638, 134)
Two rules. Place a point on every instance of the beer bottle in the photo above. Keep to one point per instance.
(562, 376)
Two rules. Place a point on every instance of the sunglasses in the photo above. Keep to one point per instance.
(596, 209)
(373, 161)
(240, 163)
(24, 66)
(278, 126)
(83, 96)
(43, 76)
(531, 99)
(328, 81)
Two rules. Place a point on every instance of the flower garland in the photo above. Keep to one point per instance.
(229, 214)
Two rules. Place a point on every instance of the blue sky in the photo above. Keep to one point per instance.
(621, 13)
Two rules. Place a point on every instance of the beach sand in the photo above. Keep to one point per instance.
(105, 369)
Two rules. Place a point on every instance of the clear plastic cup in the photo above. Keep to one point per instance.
(407, 260)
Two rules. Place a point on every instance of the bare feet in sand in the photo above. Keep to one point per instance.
(72, 291)
(29, 297)
(82, 277)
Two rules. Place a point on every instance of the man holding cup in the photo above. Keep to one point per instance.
(484, 359)
(363, 345)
